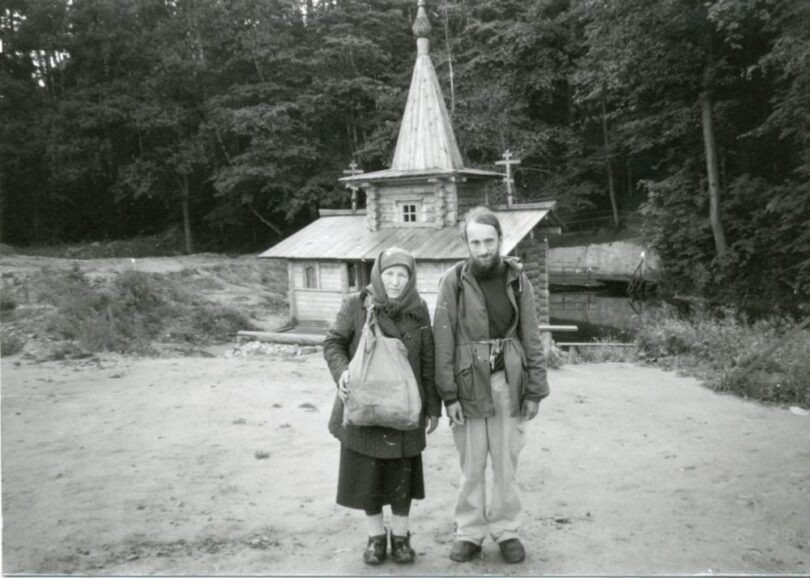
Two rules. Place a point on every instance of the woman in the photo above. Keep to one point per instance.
(378, 465)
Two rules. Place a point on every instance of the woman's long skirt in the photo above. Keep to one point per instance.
(367, 483)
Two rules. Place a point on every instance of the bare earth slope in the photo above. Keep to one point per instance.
(117, 465)
(254, 287)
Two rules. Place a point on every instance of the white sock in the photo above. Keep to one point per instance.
(375, 524)
(399, 525)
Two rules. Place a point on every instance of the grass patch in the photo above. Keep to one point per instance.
(128, 314)
(718, 346)
(602, 352)
(125, 317)
(168, 243)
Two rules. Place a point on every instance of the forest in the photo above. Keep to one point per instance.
(230, 121)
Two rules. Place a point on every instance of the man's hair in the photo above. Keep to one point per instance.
(483, 216)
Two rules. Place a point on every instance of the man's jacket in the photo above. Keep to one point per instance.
(461, 334)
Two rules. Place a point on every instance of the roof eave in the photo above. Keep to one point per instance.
(440, 174)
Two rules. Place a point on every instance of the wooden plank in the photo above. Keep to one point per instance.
(561, 328)
(543, 205)
(284, 337)
(593, 344)
(339, 212)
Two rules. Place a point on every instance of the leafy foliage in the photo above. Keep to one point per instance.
(232, 121)
(721, 345)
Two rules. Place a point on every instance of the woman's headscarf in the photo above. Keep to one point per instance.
(408, 301)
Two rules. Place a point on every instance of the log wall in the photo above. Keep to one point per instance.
(533, 252)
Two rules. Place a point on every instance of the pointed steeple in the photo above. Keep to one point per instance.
(426, 140)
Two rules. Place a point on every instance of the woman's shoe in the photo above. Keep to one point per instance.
(401, 551)
(374, 554)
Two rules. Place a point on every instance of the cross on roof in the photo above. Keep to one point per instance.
(352, 170)
(508, 161)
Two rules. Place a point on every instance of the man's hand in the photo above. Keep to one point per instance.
(433, 423)
(529, 409)
(455, 414)
(343, 386)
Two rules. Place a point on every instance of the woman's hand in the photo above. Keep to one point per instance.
(343, 386)
(432, 424)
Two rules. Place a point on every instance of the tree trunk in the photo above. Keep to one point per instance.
(2, 207)
(187, 216)
(37, 220)
(449, 61)
(713, 174)
(608, 164)
(629, 182)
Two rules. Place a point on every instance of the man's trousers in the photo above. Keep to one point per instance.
(500, 437)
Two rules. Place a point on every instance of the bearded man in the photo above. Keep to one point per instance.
(490, 373)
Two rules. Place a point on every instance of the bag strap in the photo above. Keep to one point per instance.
(371, 317)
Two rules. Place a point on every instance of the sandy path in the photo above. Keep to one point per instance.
(127, 466)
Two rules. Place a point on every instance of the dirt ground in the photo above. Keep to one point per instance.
(223, 466)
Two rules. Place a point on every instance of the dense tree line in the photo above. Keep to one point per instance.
(232, 120)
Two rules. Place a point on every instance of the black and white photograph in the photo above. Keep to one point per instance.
(405, 287)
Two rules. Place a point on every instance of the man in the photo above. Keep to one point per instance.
(491, 374)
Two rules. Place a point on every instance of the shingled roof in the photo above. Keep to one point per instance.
(346, 237)
(426, 145)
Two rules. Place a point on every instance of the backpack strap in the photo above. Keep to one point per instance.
(517, 287)
(458, 267)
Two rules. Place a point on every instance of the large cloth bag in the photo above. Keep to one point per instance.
(382, 388)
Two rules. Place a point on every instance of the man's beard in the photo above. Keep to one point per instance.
(486, 270)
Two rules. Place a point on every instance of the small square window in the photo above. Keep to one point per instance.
(409, 213)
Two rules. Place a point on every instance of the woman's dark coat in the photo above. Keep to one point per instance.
(338, 349)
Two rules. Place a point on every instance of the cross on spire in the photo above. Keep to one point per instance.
(509, 180)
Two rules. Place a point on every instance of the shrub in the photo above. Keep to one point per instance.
(11, 344)
(208, 323)
(7, 302)
(123, 318)
(721, 344)
(783, 378)
(598, 353)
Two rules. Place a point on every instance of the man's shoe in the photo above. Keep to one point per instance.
(401, 551)
(512, 551)
(463, 551)
(374, 554)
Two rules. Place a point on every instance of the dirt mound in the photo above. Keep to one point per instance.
(206, 295)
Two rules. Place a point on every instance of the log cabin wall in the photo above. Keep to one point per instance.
(532, 253)
(391, 202)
